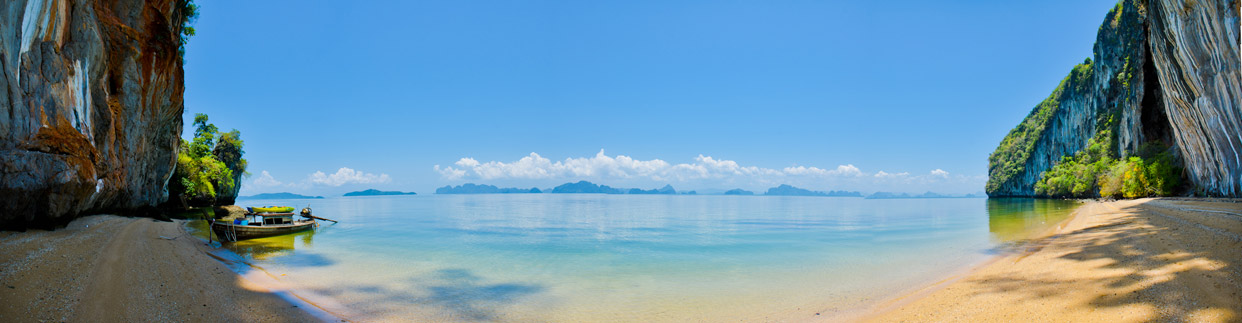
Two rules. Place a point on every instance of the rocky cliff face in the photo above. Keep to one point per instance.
(91, 97)
(1162, 70)
(1195, 47)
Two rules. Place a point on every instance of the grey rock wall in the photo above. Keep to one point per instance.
(1163, 70)
(90, 106)
(1195, 48)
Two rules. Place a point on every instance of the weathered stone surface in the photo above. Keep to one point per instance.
(90, 106)
(1195, 47)
(1164, 70)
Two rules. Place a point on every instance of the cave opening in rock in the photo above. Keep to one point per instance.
(1154, 122)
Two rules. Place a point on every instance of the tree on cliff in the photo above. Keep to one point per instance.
(210, 167)
(229, 151)
(189, 12)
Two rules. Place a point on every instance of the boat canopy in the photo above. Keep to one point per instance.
(270, 218)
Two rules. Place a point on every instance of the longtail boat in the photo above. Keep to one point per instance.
(263, 224)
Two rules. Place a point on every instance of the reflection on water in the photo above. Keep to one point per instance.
(1016, 219)
(581, 257)
(268, 247)
(261, 248)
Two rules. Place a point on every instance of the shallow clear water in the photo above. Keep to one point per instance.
(591, 257)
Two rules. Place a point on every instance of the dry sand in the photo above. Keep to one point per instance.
(1148, 260)
(114, 269)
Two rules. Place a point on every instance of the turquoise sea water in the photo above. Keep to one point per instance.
(591, 257)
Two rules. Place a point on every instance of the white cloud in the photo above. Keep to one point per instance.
(534, 166)
(346, 175)
(841, 170)
(883, 174)
(601, 165)
(468, 162)
(705, 171)
(265, 180)
(450, 173)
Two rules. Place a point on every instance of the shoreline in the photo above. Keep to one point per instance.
(1080, 270)
(1135, 260)
(321, 307)
(112, 268)
(878, 308)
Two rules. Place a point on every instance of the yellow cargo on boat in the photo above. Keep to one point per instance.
(273, 209)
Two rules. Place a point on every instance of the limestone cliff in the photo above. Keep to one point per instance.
(1195, 45)
(91, 97)
(1162, 70)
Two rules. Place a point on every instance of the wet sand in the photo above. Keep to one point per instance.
(107, 268)
(1147, 260)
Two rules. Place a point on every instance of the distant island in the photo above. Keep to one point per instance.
(375, 192)
(586, 187)
(786, 190)
(928, 195)
(471, 188)
(667, 189)
(278, 196)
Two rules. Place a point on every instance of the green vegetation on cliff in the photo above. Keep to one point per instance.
(1120, 90)
(1093, 173)
(1011, 156)
(189, 12)
(210, 166)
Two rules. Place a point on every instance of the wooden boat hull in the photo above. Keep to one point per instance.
(234, 232)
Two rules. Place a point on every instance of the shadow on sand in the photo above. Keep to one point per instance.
(1154, 253)
(459, 293)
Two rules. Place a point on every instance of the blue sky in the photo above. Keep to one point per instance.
(903, 96)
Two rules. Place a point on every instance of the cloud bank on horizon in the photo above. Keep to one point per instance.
(704, 171)
(343, 176)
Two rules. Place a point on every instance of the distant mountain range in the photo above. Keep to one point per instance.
(471, 188)
(786, 190)
(928, 195)
(667, 189)
(375, 192)
(278, 196)
(586, 187)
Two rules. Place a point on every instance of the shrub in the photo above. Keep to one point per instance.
(1110, 182)
(1077, 176)
(1153, 172)
(1133, 183)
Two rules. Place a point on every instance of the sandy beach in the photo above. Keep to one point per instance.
(108, 268)
(1147, 260)
(1123, 261)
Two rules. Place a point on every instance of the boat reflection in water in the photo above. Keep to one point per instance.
(258, 248)
(1013, 220)
(274, 246)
